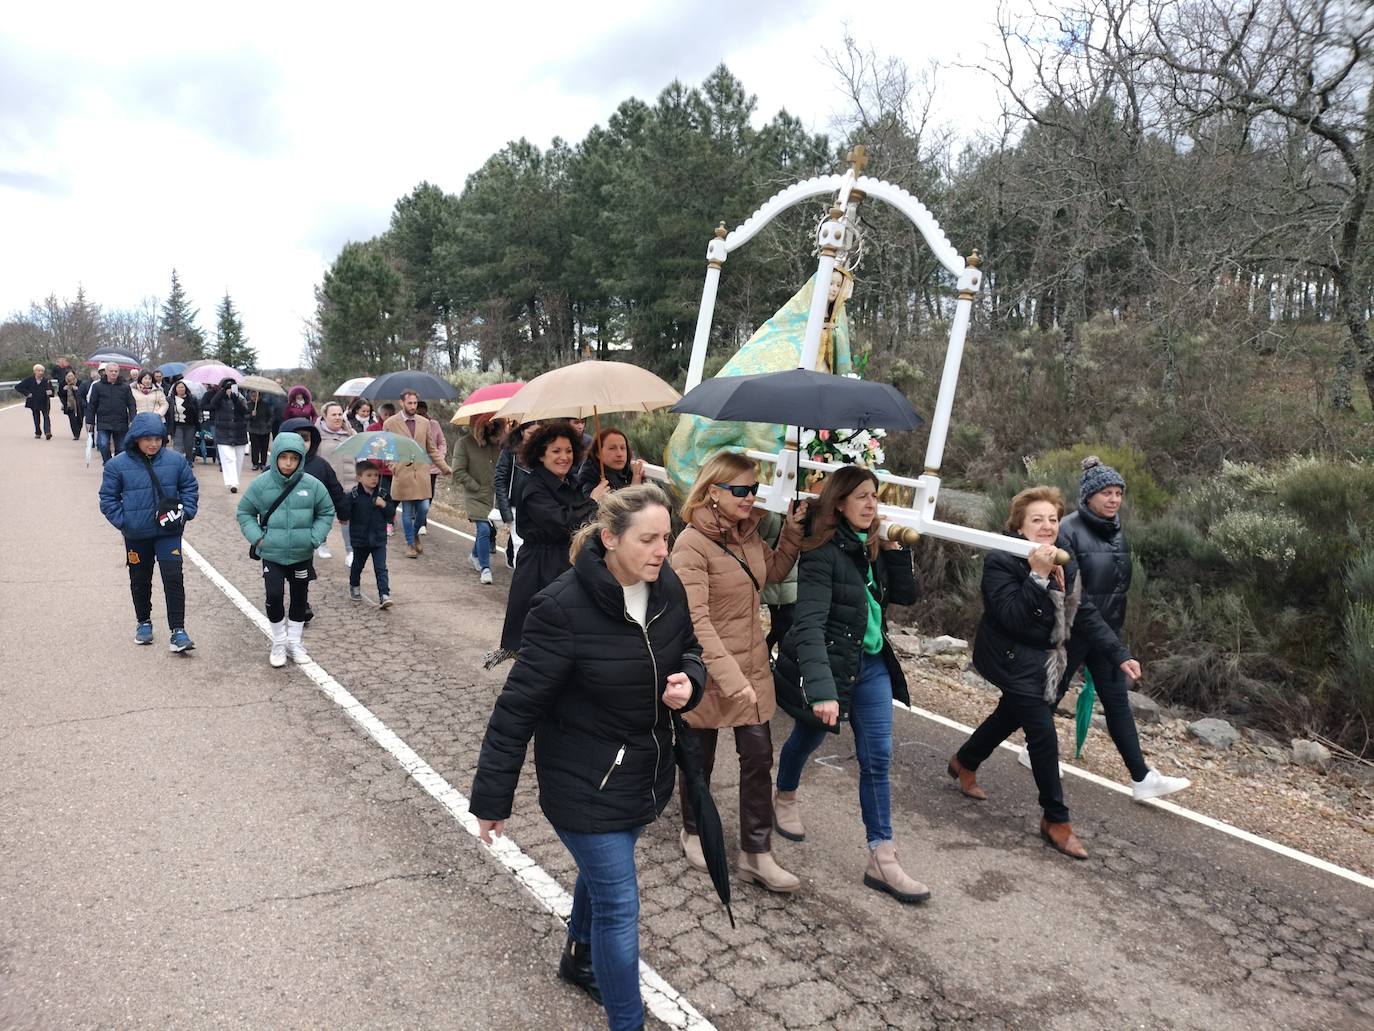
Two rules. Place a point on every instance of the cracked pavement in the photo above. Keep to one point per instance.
(204, 840)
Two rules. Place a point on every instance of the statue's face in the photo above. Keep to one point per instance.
(838, 286)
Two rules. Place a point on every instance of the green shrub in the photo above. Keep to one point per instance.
(648, 432)
(1355, 665)
(1165, 542)
(1064, 469)
(1331, 498)
(1236, 485)
(1359, 577)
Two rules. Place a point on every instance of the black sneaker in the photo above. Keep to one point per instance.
(355, 593)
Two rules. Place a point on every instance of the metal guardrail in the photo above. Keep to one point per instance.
(7, 391)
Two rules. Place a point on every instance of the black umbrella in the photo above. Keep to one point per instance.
(709, 830)
(800, 397)
(388, 387)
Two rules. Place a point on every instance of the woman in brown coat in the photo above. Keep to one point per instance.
(724, 563)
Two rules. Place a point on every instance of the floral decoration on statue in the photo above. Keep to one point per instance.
(847, 447)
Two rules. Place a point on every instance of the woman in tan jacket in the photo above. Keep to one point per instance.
(724, 563)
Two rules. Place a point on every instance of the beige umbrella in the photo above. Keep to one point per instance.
(262, 385)
(586, 389)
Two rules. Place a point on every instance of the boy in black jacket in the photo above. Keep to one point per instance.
(368, 511)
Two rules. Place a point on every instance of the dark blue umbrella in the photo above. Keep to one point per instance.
(172, 368)
(799, 397)
(389, 387)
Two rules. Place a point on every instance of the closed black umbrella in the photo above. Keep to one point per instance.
(799, 397)
(389, 386)
(709, 830)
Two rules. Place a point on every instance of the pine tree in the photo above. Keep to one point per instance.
(231, 347)
(179, 338)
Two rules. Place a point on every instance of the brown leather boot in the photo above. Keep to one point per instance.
(412, 551)
(884, 873)
(419, 545)
(968, 780)
(1062, 837)
(763, 869)
(787, 819)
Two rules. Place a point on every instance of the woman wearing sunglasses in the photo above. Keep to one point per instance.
(724, 563)
(836, 663)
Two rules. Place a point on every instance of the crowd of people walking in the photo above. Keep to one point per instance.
(632, 649)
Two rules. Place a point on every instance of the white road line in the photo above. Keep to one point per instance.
(456, 533)
(662, 1000)
(8, 407)
(1169, 807)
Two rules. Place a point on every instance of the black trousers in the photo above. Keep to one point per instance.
(140, 556)
(1036, 717)
(754, 745)
(258, 449)
(44, 415)
(74, 419)
(277, 577)
(1111, 688)
(779, 622)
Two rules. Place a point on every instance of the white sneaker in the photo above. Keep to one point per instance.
(423, 531)
(1156, 785)
(486, 576)
(1023, 757)
(476, 563)
(324, 551)
(348, 558)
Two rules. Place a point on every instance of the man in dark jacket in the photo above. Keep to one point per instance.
(109, 411)
(39, 390)
(1092, 535)
(149, 494)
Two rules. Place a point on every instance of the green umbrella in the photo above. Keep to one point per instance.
(1083, 714)
(383, 447)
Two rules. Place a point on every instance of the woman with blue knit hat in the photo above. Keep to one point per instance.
(1093, 536)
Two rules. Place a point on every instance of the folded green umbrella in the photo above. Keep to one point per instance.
(1083, 714)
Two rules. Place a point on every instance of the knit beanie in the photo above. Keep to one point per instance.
(1097, 477)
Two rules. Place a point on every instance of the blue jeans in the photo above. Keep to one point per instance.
(486, 540)
(870, 714)
(107, 439)
(605, 914)
(413, 516)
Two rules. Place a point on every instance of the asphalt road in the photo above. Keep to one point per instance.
(203, 841)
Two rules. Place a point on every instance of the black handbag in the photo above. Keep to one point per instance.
(262, 519)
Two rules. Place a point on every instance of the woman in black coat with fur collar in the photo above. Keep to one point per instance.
(608, 654)
(1030, 608)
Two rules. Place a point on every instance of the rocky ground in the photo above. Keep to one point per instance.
(1295, 793)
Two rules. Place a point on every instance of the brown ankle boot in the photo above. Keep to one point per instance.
(968, 780)
(787, 819)
(1062, 837)
(884, 873)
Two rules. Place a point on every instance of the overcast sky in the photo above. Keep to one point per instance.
(246, 145)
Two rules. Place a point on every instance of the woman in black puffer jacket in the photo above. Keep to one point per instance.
(608, 651)
(836, 664)
(229, 414)
(1031, 606)
(1093, 536)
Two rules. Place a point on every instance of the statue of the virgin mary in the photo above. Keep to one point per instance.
(775, 347)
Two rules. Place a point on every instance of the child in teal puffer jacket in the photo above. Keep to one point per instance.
(295, 528)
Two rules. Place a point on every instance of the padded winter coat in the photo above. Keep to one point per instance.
(110, 406)
(509, 483)
(1023, 622)
(229, 414)
(366, 522)
(301, 522)
(154, 400)
(820, 658)
(127, 497)
(315, 463)
(190, 407)
(1104, 561)
(725, 612)
(587, 686)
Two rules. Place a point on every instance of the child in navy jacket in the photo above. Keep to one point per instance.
(369, 512)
